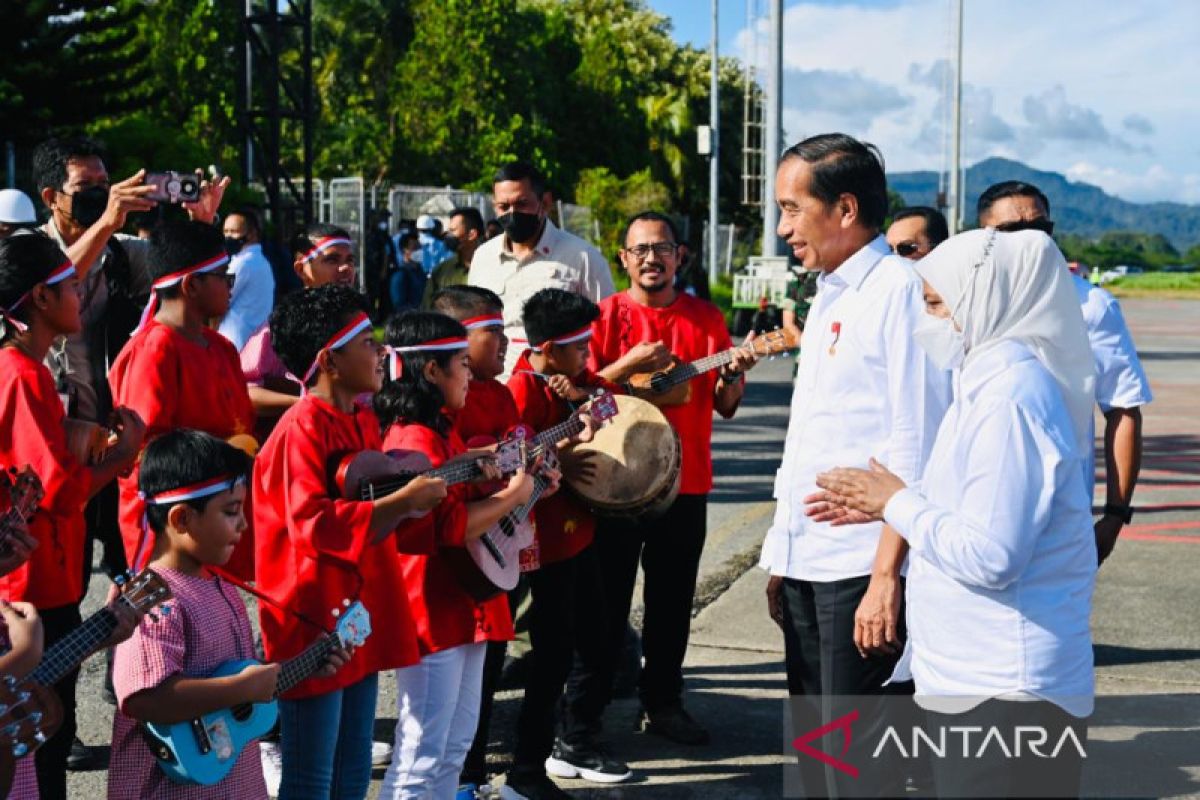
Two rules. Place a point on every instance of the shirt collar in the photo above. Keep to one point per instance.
(997, 357)
(545, 244)
(855, 269)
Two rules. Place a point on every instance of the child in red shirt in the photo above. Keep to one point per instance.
(175, 371)
(39, 302)
(438, 699)
(315, 549)
(566, 612)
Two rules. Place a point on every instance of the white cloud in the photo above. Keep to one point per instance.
(1155, 183)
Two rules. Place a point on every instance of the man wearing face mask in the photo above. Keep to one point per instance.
(253, 284)
(463, 236)
(532, 254)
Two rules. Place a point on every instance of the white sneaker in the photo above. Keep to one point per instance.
(272, 766)
(381, 754)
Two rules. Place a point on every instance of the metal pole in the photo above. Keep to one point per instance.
(714, 158)
(956, 184)
(10, 163)
(773, 132)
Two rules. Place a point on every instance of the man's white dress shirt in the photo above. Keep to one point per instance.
(253, 295)
(864, 388)
(1002, 558)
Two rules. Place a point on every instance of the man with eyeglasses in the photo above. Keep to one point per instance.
(915, 231)
(644, 329)
(1121, 385)
(532, 254)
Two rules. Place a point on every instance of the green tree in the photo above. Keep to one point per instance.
(613, 200)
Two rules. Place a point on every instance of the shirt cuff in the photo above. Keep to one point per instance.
(901, 513)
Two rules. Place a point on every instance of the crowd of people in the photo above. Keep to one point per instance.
(185, 409)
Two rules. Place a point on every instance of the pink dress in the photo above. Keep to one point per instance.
(206, 627)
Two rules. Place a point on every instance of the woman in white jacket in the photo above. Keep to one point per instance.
(1002, 555)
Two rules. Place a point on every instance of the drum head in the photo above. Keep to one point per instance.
(634, 461)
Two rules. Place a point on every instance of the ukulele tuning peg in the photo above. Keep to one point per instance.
(337, 612)
(120, 580)
(166, 610)
(10, 681)
(23, 697)
(36, 718)
(4, 709)
(10, 729)
(345, 602)
(39, 737)
(20, 749)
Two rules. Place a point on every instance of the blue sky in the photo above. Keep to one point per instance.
(1103, 92)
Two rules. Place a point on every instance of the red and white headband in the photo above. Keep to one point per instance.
(566, 338)
(485, 321)
(360, 323)
(176, 278)
(396, 364)
(324, 244)
(58, 275)
(169, 497)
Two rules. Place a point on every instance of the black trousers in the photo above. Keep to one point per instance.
(828, 679)
(101, 516)
(668, 548)
(988, 772)
(51, 757)
(567, 609)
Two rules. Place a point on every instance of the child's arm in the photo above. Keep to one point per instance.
(483, 514)
(419, 494)
(24, 630)
(179, 698)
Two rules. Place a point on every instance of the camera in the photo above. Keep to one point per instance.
(174, 187)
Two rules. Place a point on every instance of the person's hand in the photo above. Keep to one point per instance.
(520, 486)
(124, 197)
(258, 682)
(19, 547)
(590, 426)
(561, 385)
(818, 510)
(744, 358)
(24, 629)
(489, 470)
(127, 618)
(862, 490)
(205, 209)
(338, 657)
(423, 493)
(877, 617)
(647, 357)
(550, 473)
(130, 431)
(775, 599)
(1107, 530)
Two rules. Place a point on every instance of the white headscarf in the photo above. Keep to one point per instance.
(1017, 286)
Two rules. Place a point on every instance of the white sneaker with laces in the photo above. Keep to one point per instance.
(272, 765)
(381, 754)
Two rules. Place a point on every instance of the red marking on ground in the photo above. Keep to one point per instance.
(1146, 532)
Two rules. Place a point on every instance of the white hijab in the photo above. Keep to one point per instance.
(1017, 286)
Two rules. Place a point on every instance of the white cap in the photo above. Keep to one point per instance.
(16, 208)
(426, 223)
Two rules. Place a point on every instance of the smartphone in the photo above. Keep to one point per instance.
(173, 187)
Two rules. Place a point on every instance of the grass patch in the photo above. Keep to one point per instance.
(1157, 284)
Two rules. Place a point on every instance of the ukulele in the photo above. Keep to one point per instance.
(672, 387)
(24, 494)
(30, 713)
(491, 564)
(204, 750)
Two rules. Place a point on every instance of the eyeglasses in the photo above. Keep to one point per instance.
(1042, 224)
(225, 276)
(906, 249)
(661, 249)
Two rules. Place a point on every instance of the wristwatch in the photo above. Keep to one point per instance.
(1124, 513)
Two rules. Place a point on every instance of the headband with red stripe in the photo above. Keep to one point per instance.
(169, 497)
(176, 278)
(567, 338)
(324, 244)
(485, 321)
(56, 276)
(360, 323)
(396, 365)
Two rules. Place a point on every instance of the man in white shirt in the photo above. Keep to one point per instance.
(532, 254)
(253, 283)
(1121, 384)
(863, 387)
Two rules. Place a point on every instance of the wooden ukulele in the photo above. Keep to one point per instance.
(24, 494)
(672, 386)
(203, 750)
(30, 713)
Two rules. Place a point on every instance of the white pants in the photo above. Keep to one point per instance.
(437, 711)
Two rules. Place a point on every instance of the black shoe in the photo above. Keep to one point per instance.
(531, 787)
(589, 761)
(83, 758)
(672, 722)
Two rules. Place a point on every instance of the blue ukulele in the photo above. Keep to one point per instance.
(204, 750)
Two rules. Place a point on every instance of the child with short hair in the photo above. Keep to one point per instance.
(438, 699)
(177, 372)
(549, 378)
(314, 548)
(194, 486)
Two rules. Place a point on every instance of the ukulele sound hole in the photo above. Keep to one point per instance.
(242, 713)
(660, 382)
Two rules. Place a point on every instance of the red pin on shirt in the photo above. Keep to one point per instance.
(836, 330)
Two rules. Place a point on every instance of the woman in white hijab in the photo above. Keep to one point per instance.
(1002, 556)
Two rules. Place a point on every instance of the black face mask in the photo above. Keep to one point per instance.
(87, 205)
(519, 226)
(451, 241)
(233, 246)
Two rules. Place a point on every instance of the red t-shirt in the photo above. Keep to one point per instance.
(32, 433)
(690, 328)
(313, 550)
(564, 525)
(173, 382)
(489, 412)
(446, 615)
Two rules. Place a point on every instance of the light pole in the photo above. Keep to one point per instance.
(714, 158)
(771, 136)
